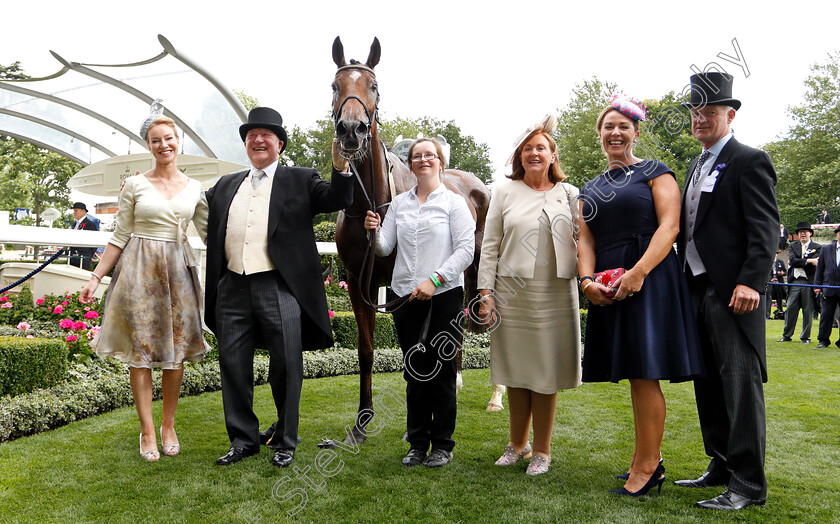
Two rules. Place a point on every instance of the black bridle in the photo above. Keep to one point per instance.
(366, 143)
(366, 269)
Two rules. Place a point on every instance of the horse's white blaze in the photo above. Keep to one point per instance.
(355, 75)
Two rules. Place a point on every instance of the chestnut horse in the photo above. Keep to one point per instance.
(380, 176)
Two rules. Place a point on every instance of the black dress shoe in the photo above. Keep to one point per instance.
(837, 343)
(784, 339)
(283, 457)
(706, 480)
(805, 341)
(235, 455)
(730, 501)
(822, 345)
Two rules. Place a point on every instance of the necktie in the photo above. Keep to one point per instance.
(700, 162)
(257, 178)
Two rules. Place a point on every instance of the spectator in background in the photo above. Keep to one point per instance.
(783, 237)
(82, 256)
(828, 274)
(824, 217)
(777, 293)
(802, 257)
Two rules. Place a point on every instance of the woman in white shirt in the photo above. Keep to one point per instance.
(152, 316)
(434, 234)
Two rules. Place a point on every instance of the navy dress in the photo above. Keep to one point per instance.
(653, 334)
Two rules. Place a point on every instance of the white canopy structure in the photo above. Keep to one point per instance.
(92, 112)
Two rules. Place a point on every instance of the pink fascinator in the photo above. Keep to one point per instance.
(628, 107)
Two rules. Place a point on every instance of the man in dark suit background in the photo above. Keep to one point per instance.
(777, 293)
(802, 265)
(828, 274)
(264, 286)
(82, 256)
(727, 240)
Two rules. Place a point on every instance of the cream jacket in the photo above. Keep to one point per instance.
(511, 232)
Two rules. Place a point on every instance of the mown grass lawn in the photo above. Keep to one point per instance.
(90, 471)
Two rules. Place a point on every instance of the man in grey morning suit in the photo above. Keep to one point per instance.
(727, 241)
(264, 286)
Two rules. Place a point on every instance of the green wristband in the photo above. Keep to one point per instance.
(434, 280)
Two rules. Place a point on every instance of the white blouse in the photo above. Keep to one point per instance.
(437, 236)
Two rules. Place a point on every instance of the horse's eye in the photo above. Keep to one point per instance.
(374, 87)
(334, 87)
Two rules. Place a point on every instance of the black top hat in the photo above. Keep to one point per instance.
(837, 229)
(266, 118)
(712, 89)
(804, 225)
(79, 205)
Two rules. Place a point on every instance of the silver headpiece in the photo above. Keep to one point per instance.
(155, 111)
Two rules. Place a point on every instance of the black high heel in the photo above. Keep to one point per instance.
(656, 479)
(626, 475)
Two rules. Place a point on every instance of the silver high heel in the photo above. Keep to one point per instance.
(511, 457)
(151, 455)
(170, 450)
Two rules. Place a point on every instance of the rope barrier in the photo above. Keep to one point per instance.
(801, 285)
(33, 272)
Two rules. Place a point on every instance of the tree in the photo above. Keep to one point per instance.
(247, 100)
(465, 153)
(312, 147)
(807, 157)
(12, 72)
(33, 177)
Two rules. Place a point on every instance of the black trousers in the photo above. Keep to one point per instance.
(252, 309)
(827, 317)
(730, 400)
(81, 257)
(430, 367)
(800, 298)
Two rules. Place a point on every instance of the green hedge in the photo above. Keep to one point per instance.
(27, 364)
(103, 386)
(345, 331)
(793, 215)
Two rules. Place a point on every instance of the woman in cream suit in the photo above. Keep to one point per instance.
(529, 294)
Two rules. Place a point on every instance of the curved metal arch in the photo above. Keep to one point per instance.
(36, 142)
(61, 129)
(72, 105)
(228, 95)
(79, 68)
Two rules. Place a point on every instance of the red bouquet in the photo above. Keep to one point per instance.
(608, 278)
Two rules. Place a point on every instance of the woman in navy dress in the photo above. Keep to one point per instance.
(641, 327)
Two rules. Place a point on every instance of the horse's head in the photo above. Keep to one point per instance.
(355, 97)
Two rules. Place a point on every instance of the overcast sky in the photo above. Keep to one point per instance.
(494, 70)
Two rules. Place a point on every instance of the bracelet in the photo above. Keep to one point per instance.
(97, 277)
(484, 298)
(583, 288)
(587, 277)
(433, 277)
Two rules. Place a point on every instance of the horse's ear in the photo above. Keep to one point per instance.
(375, 53)
(338, 52)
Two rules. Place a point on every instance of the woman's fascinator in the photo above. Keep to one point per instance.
(547, 124)
(155, 111)
(628, 107)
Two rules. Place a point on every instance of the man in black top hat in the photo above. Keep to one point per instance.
(727, 241)
(828, 274)
(264, 286)
(82, 256)
(802, 260)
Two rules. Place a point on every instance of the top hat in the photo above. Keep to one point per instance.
(712, 89)
(804, 225)
(79, 205)
(266, 118)
(837, 229)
